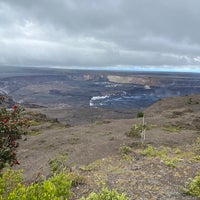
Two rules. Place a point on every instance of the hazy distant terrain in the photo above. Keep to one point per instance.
(103, 89)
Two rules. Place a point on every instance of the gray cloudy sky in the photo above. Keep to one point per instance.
(100, 33)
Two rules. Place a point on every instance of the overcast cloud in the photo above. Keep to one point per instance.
(100, 33)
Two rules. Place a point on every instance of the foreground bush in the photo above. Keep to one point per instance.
(9, 180)
(55, 188)
(12, 126)
(193, 187)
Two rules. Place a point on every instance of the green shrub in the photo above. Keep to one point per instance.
(198, 140)
(34, 123)
(124, 150)
(149, 151)
(193, 187)
(34, 132)
(170, 162)
(189, 101)
(135, 131)
(140, 114)
(55, 188)
(125, 153)
(91, 167)
(58, 164)
(172, 129)
(9, 181)
(76, 179)
(105, 194)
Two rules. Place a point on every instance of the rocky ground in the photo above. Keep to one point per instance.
(99, 150)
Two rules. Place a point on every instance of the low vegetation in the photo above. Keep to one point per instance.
(125, 152)
(136, 130)
(162, 154)
(172, 128)
(193, 186)
(106, 194)
(140, 114)
(58, 187)
(55, 188)
(58, 164)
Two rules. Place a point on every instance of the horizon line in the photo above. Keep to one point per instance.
(183, 69)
